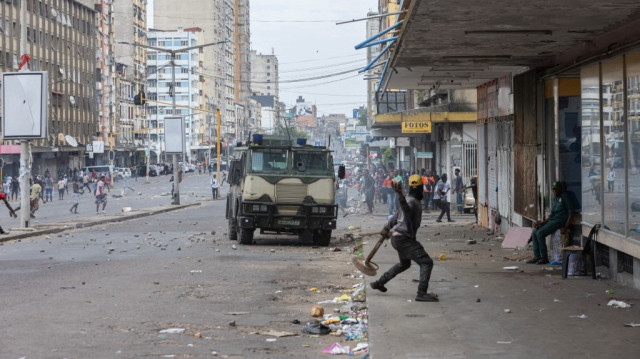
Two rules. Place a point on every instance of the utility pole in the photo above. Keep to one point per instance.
(176, 182)
(218, 144)
(25, 159)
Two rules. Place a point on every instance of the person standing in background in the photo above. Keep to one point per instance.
(611, 178)
(215, 186)
(440, 197)
(15, 189)
(60, 186)
(458, 189)
(48, 189)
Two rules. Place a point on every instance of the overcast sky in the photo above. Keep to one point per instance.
(304, 36)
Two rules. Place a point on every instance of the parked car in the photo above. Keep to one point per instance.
(142, 171)
(122, 172)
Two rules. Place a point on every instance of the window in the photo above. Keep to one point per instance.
(268, 161)
(311, 163)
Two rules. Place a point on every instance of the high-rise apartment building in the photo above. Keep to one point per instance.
(187, 90)
(216, 18)
(61, 39)
(242, 48)
(105, 73)
(130, 31)
(264, 74)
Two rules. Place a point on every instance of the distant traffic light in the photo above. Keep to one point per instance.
(139, 99)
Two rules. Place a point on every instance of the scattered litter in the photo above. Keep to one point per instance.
(360, 347)
(609, 291)
(236, 313)
(507, 310)
(442, 257)
(197, 335)
(510, 268)
(172, 331)
(277, 334)
(317, 311)
(271, 340)
(278, 291)
(126, 209)
(618, 304)
(336, 348)
(314, 289)
(234, 247)
(471, 241)
(67, 287)
(581, 316)
(196, 271)
(316, 328)
(632, 325)
(499, 342)
(476, 286)
(556, 300)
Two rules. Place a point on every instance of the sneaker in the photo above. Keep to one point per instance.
(379, 286)
(543, 261)
(438, 220)
(533, 260)
(103, 211)
(427, 297)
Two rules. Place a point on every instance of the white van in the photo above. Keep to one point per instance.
(104, 169)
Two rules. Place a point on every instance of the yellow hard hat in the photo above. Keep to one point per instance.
(415, 180)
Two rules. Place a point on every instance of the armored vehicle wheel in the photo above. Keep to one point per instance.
(321, 237)
(233, 229)
(246, 236)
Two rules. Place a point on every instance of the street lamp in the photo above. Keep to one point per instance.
(176, 182)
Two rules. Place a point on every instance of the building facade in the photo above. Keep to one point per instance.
(216, 19)
(129, 131)
(187, 90)
(61, 39)
(559, 103)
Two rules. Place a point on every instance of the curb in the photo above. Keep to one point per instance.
(91, 223)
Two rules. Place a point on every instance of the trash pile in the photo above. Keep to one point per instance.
(349, 321)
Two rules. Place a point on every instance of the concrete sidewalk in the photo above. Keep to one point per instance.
(486, 311)
(57, 227)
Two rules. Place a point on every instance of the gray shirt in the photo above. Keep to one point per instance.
(406, 221)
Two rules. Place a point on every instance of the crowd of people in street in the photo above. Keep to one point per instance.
(375, 187)
(76, 183)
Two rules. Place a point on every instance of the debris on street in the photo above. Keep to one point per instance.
(618, 304)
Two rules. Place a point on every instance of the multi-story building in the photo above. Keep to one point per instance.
(216, 19)
(242, 63)
(61, 39)
(105, 71)
(187, 91)
(264, 74)
(130, 31)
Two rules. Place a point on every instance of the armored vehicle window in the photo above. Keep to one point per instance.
(312, 163)
(268, 161)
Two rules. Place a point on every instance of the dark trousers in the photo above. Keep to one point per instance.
(539, 237)
(410, 250)
(426, 197)
(444, 206)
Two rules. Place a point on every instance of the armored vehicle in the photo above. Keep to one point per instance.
(278, 186)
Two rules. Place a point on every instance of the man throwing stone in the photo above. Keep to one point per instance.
(402, 229)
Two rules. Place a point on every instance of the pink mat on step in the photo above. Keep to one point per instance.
(517, 237)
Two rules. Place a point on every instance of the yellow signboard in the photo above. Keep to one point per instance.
(416, 126)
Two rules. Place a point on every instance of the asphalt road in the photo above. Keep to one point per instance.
(107, 291)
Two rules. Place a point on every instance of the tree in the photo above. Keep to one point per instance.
(293, 133)
(362, 116)
(387, 155)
